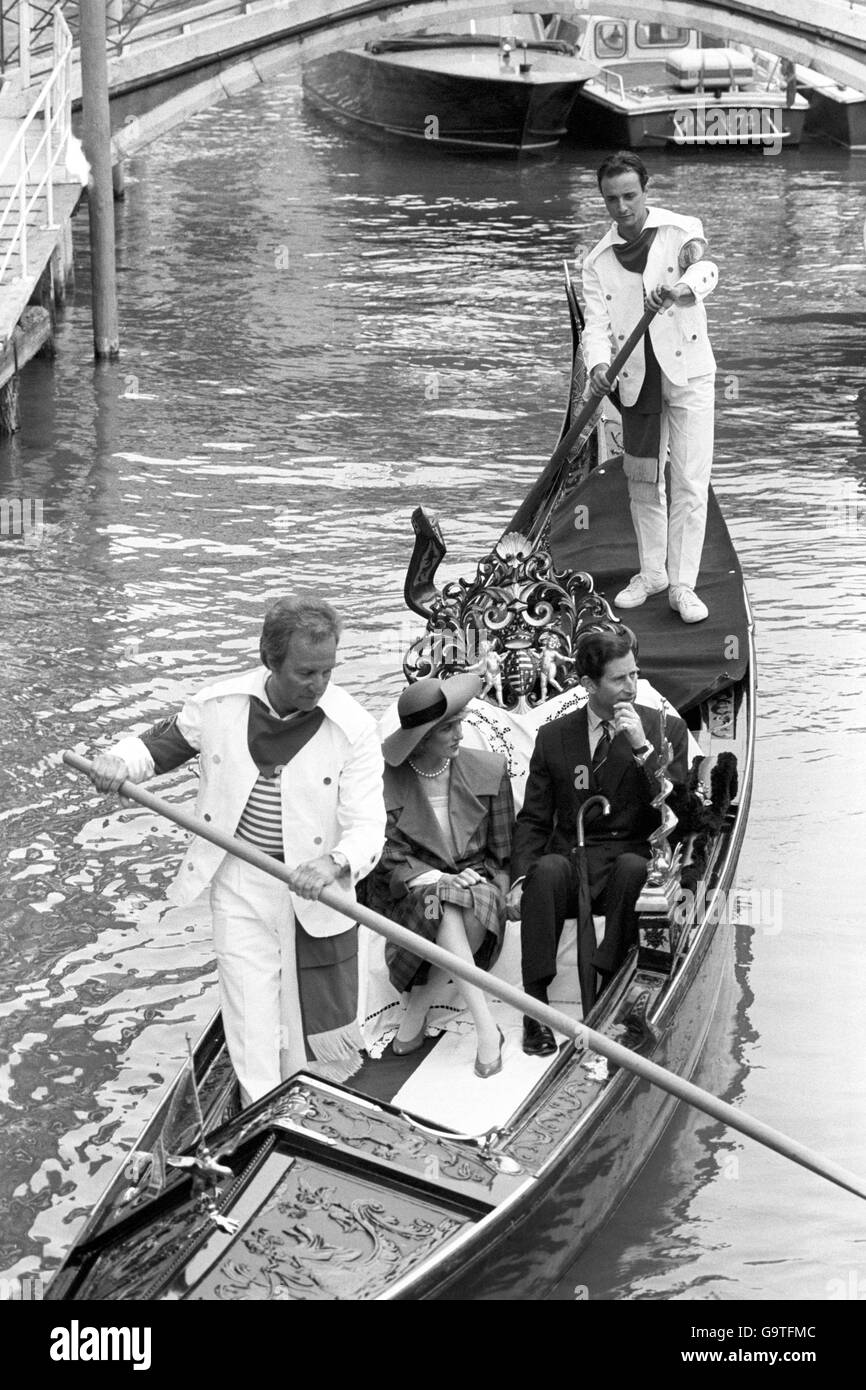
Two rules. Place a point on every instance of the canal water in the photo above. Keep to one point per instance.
(318, 334)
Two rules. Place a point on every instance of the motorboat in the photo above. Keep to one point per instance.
(666, 86)
(492, 86)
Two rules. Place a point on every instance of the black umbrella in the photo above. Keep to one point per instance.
(585, 927)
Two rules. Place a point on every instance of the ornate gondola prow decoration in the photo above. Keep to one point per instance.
(516, 622)
(205, 1168)
(658, 930)
(419, 591)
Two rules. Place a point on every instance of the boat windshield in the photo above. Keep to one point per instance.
(526, 28)
(647, 35)
(621, 38)
(611, 39)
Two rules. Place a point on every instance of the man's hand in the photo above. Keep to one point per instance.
(599, 383)
(108, 772)
(309, 879)
(513, 902)
(626, 720)
(673, 294)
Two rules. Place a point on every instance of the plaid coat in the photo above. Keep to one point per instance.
(482, 817)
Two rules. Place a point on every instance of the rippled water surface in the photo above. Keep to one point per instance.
(318, 334)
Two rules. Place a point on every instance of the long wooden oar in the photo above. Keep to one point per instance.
(622, 1056)
(531, 516)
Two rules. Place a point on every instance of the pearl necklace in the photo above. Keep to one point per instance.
(443, 768)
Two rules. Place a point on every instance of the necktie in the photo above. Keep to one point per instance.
(602, 748)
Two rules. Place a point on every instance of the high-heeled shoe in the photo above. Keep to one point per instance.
(485, 1069)
(402, 1049)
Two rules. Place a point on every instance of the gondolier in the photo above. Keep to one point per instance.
(292, 764)
(652, 257)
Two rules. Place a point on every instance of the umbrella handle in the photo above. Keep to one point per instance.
(591, 801)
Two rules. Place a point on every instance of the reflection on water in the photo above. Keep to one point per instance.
(314, 342)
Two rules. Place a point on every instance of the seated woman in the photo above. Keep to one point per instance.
(444, 869)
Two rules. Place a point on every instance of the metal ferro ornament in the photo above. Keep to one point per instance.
(515, 623)
(661, 858)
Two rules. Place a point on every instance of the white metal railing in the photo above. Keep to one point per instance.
(129, 24)
(29, 163)
(25, 37)
(613, 83)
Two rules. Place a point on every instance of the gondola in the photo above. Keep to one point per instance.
(369, 1190)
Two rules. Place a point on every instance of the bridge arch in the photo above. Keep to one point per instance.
(235, 46)
(833, 40)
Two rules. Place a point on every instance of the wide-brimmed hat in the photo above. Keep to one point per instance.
(424, 705)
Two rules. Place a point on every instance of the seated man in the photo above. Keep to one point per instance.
(609, 747)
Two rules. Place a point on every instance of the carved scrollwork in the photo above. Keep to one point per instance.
(516, 622)
(385, 1137)
(333, 1240)
(555, 1118)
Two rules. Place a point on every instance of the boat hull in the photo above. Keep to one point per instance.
(837, 117)
(454, 111)
(537, 1247)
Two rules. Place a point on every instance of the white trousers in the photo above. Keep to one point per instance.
(254, 939)
(674, 543)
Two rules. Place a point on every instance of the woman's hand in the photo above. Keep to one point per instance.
(465, 879)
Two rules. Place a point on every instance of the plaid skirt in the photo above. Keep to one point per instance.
(420, 912)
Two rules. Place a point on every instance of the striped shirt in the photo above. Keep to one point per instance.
(261, 823)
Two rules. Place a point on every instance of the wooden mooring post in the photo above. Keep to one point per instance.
(97, 147)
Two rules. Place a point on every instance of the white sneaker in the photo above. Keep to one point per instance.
(638, 591)
(686, 602)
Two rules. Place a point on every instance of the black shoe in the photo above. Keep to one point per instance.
(538, 1040)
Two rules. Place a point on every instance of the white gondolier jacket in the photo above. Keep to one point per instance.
(331, 791)
(614, 305)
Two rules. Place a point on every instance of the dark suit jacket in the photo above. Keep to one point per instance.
(556, 787)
